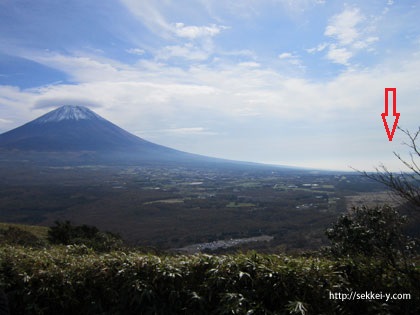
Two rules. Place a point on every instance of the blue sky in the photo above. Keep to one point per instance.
(274, 81)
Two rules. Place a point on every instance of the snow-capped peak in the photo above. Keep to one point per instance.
(68, 112)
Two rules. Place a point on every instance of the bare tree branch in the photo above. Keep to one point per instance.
(404, 184)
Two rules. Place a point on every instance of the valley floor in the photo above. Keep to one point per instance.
(168, 208)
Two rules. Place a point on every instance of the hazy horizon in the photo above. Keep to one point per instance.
(297, 83)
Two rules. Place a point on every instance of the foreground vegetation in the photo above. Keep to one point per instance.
(75, 279)
(95, 275)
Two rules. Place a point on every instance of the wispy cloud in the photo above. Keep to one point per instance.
(151, 15)
(344, 26)
(339, 55)
(285, 55)
(291, 58)
(318, 48)
(352, 32)
(190, 131)
(193, 32)
(52, 103)
(5, 121)
(249, 64)
(231, 90)
(136, 51)
(187, 51)
(188, 42)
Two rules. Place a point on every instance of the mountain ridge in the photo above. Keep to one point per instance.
(68, 112)
(70, 128)
(77, 135)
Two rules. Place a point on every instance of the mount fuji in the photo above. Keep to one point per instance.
(76, 134)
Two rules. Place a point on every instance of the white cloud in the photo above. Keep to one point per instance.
(239, 53)
(193, 32)
(190, 42)
(187, 51)
(15, 106)
(249, 64)
(83, 67)
(228, 89)
(291, 59)
(318, 48)
(339, 55)
(136, 51)
(343, 26)
(47, 103)
(5, 121)
(285, 55)
(365, 43)
(149, 14)
(190, 131)
(352, 32)
(243, 9)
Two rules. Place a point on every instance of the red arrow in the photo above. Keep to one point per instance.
(394, 112)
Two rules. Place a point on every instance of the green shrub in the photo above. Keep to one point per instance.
(77, 280)
(15, 236)
(371, 233)
(67, 234)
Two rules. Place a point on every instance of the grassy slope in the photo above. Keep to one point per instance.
(38, 231)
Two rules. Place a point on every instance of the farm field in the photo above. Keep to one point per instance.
(167, 208)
